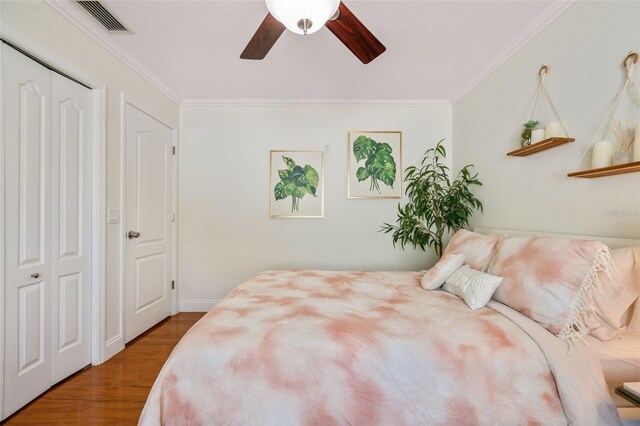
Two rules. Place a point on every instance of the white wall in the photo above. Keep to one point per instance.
(225, 232)
(584, 49)
(37, 21)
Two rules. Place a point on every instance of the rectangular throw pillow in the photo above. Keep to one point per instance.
(477, 248)
(447, 265)
(474, 287)
(552, 281)
(601, 330)
(634, 322)
(617, 294)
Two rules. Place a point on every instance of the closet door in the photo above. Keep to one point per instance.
(27, 100)
(70, 228)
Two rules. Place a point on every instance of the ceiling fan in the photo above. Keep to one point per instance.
(308, 16)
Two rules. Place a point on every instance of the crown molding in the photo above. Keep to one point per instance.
(316, 102)
(80, 19)
(47, 56)
(548, 16)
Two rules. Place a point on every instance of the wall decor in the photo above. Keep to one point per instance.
(296, 184)
(609, 158)
(374, 164)
(538, 134)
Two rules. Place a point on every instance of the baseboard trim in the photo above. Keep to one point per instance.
(113, 346)
(198, 305)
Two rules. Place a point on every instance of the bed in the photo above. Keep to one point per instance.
(620, 362)
(366, 348)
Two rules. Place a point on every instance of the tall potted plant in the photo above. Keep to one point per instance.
(436, 203)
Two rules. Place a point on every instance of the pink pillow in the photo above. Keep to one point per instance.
(634, 322)
(552, 281)
(601, 330)
(477, 248)
(447, 265)
(615, 296)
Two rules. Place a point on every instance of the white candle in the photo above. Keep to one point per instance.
(537, 135)
(636, 145)
(554, 130)
(602, 154)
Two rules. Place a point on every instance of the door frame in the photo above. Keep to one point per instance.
(98, 187)
(126, 99)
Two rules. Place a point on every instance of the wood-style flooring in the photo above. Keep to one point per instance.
(111, 393)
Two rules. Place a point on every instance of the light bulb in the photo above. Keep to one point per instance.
(291, 12)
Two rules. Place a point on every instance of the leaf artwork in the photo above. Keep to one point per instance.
(296, 182)
(379, 164)
(437, 204)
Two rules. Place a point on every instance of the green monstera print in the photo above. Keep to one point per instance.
(296, 181)
(379, 164)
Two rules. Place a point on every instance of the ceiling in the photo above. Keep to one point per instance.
(435, 49)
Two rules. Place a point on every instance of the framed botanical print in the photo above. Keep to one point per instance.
(374, 166)
(296, 184)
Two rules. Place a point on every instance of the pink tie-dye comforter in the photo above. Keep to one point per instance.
(371, 348)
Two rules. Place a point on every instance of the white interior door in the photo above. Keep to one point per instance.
(149, 239)
(70, 228)
(27, 100)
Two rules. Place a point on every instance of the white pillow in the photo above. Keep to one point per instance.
(442, 270)
(474, 287)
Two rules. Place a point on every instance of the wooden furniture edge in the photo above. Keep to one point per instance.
(539, 146)
(608, 171)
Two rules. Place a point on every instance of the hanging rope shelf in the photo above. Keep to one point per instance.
(629, 64)
(533, 140)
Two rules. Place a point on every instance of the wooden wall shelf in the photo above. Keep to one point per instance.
(608, 171)
(539, 146)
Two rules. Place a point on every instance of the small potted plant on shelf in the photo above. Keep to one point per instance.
(437, 204)
(525, 136)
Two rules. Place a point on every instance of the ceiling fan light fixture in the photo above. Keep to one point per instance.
(312, 13)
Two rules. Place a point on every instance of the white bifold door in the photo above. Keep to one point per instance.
(149, 221)
(47, 187)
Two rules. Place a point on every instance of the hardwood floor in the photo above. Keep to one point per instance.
(114, 392)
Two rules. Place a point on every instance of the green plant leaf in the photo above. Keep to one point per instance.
(284, 174)
(312, 177)
(384, 167)
(299, 191)
(288, 189)
(388, 174)
(297, 176)
(289, 162)
(384, 157)
(278, 191)
(385, 147)
(363, 147)
(311, 190)
(362, 174)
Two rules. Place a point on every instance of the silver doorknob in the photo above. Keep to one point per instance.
(35, 275)
(133, 234)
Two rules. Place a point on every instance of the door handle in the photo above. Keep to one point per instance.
(35, 275)
(133, 234)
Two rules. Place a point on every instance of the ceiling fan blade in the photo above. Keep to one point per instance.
(263, 40)
(353, 34)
